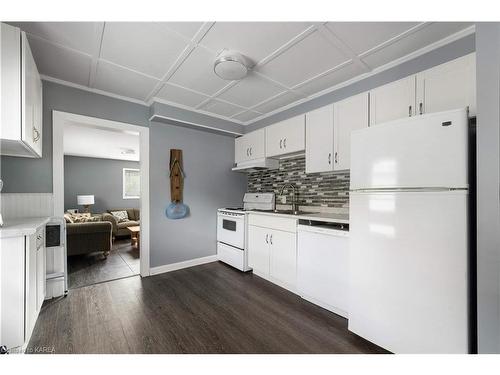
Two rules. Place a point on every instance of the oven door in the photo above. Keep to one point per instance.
(231, 229)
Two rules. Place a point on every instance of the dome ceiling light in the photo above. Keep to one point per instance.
(231, 65)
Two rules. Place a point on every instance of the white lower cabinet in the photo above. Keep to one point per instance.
(22, 287)
(258, 250)
(272, 251)
(283, 258)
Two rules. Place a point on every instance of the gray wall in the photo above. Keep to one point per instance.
(208, 160)
(209, 184)
(22, 175)
(488, 186)
(438, 56)
(100, 177)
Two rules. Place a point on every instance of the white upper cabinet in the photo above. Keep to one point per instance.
(348, 115)
(286, 137)
(448, 86)
(21, 99)
(250, 146)
(319, 140)
(393, 101)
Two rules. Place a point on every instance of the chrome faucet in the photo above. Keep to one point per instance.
(295, 206)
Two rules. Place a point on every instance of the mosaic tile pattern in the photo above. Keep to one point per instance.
(327, 189)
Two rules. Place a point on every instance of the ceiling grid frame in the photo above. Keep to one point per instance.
(196, 41)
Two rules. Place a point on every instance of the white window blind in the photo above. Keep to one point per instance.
(131, 183)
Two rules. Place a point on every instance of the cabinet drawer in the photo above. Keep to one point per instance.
(272, 222)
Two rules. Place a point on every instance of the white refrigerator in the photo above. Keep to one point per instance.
(409, 234)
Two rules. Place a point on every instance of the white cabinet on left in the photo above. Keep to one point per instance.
(250, 146)
(22, 286)
(21, 96)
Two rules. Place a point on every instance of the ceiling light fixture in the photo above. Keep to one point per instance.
(231, 65)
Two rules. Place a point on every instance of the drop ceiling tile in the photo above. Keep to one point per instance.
(187, 29)
(197, 73)
(221, 108)
(247, 116)
(250, 91)
(255, 40)
(311, 56)
(413, 42)
(61, 63)
(81, 36)
(143, 46)
(180, 95)
(121, 81)
(362, 36)
(331, 79)
(278, 102)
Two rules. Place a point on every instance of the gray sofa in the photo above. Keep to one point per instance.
(120, 229)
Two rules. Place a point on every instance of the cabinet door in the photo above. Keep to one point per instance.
(286, 137)
(393, 101)
(258, 249)
(319, 140)
(12, 299)
(250, 146)
(40, 277)
(37, 116)
(349, 114)
(30, 288)
(283, 263)
(448, 86)
(29, 76)
(10, 124)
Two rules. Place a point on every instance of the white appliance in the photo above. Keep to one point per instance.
(323, 265)
(409, 234)
(232, 229)
(56, 254)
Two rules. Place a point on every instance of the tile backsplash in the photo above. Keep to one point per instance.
(327, 189)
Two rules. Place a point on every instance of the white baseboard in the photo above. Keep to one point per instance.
(180, 265)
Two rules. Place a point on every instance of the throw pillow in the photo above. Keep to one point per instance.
(68, 218)
(120, 216)
(85, 219)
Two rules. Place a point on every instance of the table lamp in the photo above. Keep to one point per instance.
(85, 201)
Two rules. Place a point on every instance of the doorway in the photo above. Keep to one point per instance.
(128, 218)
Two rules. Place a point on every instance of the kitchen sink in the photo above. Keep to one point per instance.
(291, 212)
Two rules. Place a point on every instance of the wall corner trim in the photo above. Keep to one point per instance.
(180, 265)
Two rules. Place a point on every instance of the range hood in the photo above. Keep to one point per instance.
(256, 165)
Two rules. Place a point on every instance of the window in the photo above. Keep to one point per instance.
(131, 183)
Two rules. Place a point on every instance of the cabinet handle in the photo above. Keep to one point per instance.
(267, 238)
(281, 143)
(36, 135)
(284, 143)
(421, 108)
(409, 111)
(271, 239)
(247, 152)
(250, 151)
(336, 157)
(330, 158)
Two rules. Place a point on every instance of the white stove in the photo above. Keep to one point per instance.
(232, 229)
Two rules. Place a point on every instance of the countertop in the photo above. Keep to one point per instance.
(327, 217)
(22, 226)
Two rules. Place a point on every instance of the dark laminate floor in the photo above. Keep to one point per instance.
(89, 269)
(210, 308)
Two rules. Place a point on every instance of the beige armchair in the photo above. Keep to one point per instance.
(120, 229)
